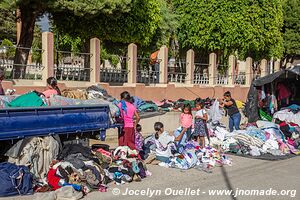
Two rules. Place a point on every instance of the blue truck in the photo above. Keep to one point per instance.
(19, 123)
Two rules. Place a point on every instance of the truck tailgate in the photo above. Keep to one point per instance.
(41, 121)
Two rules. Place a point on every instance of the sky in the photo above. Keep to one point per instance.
(44, 23)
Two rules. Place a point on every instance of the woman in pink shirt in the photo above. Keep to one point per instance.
(52, 88)
(128, 112)
(186, 121)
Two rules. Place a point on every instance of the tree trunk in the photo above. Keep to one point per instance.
(28, 18)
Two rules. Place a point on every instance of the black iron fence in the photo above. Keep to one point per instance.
(72, 66)
(32, 70)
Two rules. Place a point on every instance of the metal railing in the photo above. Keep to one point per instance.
(221, 79)
(148, 71)
(147, 76)
(201, 79)
(113, 75)
(174, 77)
(240, 79)
(201, 74)
(32, 71)
(72, 66)
(71, 73)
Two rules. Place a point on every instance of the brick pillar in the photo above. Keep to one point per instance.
(231, 70)
(132, 63)
(264, 67)
(212, 68)
(95, 60)
(190, 65)
(163, 65)
(47, 55)
(249, 71)
(277, 66)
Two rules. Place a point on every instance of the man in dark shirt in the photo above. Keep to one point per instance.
(1, 79)
(232, 110)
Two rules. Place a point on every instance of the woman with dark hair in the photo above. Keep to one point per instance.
(128, 112)
(52, 87)
(232, 110)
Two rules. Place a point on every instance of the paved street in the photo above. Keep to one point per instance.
(244, 174)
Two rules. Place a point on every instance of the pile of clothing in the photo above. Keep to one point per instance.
(290, 114)
(169, 105)
(5, 100)
(30, 99)
(74, 169)
(193, 156)
(165, 105)
(144, 106)
(36, 153)
(186, 156)
(92, 95)
(259, 138)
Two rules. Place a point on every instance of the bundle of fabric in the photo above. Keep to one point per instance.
(179, 104)
(97, 92)
(126, 166)
(36, 153)
(215, 113)
(15, 180)
(30, 99)
(165, 105)
(263, 138)
(144, 106)
(66, 192)
(194, 157)
(87, 169)
(79, 167)
(57, 100)
(75, 94)
(5, 100)
(290, 114)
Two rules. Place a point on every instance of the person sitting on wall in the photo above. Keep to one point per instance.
(52, 88)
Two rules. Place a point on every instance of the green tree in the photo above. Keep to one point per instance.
(7, 24)
(37, 45)
(116, 20)
(291, 29)
(8, 46)
(249, 27)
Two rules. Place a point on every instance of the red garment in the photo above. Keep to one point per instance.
(283, 92)
(52, 179)
(283, 124)
(293, 124)
(127, 137)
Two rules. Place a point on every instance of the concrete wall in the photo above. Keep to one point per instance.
(169, 91)
(166, 91)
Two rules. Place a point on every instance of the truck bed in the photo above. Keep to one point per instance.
(17, 123)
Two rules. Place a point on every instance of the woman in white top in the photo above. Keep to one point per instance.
(164, 142)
